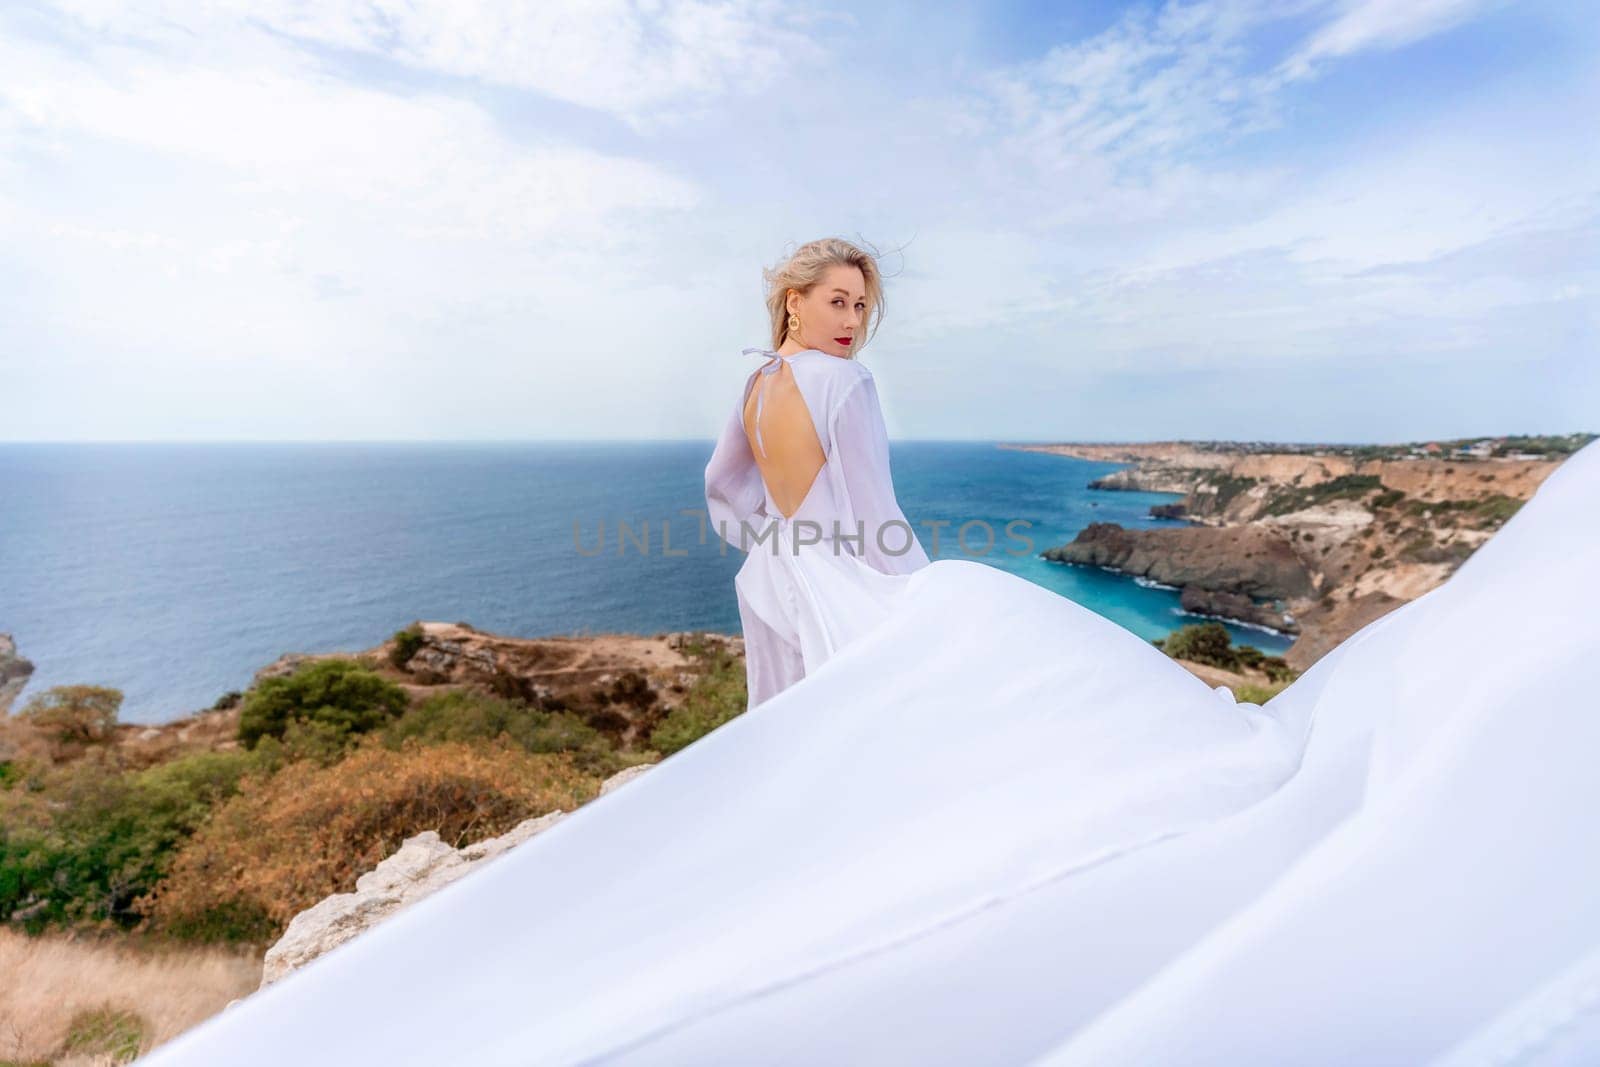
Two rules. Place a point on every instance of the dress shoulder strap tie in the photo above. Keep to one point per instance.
(767, 370)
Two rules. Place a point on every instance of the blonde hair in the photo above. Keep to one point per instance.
(805, 267)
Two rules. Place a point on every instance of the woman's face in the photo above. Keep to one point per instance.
(833, 312)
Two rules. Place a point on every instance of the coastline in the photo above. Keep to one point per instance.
(1314, 541)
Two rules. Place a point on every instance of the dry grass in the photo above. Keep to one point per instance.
(46, 983)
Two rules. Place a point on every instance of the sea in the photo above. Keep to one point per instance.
(173, 572)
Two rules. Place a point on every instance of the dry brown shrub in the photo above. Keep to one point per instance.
(287, 841)
(78, 713)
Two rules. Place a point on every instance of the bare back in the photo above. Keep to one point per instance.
(783, 437)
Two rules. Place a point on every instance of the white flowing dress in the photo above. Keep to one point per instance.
(815, 580)
(997, 828)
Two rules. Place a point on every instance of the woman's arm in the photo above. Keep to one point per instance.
(734, 493)
(862, 441)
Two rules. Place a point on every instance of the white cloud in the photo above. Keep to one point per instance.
(434, 165)
(1113, 117)
(368, 220)
(1378, 24)
(242, 232)
(1137, 237)
(644, 62)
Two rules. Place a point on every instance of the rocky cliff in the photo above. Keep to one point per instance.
(623, 684)
(1311, 542)
(14, 673)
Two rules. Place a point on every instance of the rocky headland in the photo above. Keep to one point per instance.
(1313, 541)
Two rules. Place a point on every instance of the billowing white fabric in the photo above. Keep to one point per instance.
(813, 581)
(997, 828)
(1467, 878)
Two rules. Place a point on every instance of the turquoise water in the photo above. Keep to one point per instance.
(173, 572)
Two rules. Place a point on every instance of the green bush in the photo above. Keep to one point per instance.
(1224, 487)
(1209, 643)
(1204, 642)
(340, 693)
(1344, 486)
(406, 644)
(465, 715)
(1493, 511)
(1387, 499)
(716, 697)
(1278, 669)
(115, 1034)
(84, 713)
(312, 741)
(109, 836)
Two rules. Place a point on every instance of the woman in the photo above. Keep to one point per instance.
(800, 476)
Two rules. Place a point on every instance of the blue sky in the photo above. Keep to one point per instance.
(1342, 220)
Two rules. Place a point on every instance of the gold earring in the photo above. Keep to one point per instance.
(794, 324)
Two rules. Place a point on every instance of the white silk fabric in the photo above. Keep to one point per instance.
(997, 828)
